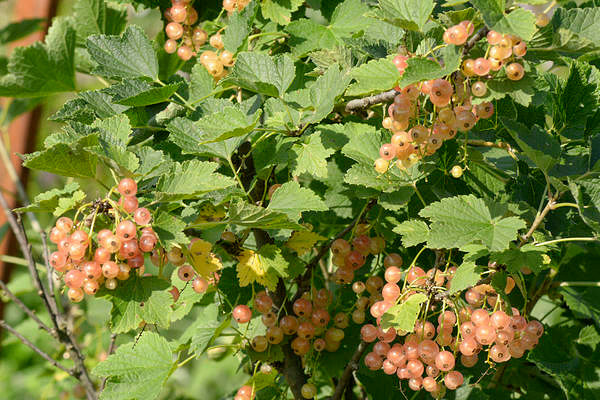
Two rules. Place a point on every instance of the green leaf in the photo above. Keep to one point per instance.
(139, 93)
(228, 123)
(396, 200)
(461, 220)
(208, 326)
(571, 32)
(42, 69)
(307, 36)
(137, 371)
(404, 315)
(542, 148)
(413, 232)
(520, 91)
(583, 302)
(187, 135)
(128, 56)
(139, 299)
(466, 275)
(250, 216)
(112, 148)
(374, 76)
(169, 229)
(95, 17)
(519, 22)
(19, 30)
(201, 83)
(291, 199)
(515, 258)
(65, 159)
(589, 336)
(347, 18)
(273, 261)
(238, 28)
(324, 92)
(189, 179)
(263, 74)
(407, 14)
(587, 195)
(69, 203)
(311, 157)
(48, 201)
(280, 11)
(422, 68)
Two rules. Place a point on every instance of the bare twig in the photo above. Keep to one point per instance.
(26, 309)
(350, 368)
(33, 347)
(64, 335)
(480, 34)
(358, 104)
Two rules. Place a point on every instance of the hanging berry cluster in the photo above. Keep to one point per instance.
(187, 40)
(427, 358)
(414, 137)
(87, 262)
(351, 257)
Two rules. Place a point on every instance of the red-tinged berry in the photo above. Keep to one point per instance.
(110, 270)
(186, 273)
(242, 314)
(74, 279)
(302, 308)
(259, 344)
(64, 224)
(200, 285)
(127, 187)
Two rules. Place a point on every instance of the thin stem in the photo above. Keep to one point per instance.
(414, 185)
(571, 239)
(257, 35)
(184, 101)
(237, 177)
(26, 309)
(559, 205)
(350, 368)
(33, 347)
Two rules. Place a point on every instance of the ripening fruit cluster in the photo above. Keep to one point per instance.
(502, 52)
(187, 40)
(309, 326)
(452, 98)
(185, 271)
(427, 358)
(349, 257)
(87, 262)
(233, 5)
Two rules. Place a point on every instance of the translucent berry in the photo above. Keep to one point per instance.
(242, 314)
(308, 390)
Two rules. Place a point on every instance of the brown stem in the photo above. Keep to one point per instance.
(64, 335)
(358, 104)
(33, 347)
(480, 34)
(538, 219)
(27, 310)
(350, 368)
(291, 367)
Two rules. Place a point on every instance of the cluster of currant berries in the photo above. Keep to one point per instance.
(349, 257)
(233, 5)
(502, 49)
(426, 358)
(310, 323)
(181, 17)
(87, 260)
(185, 271)
(454, 110)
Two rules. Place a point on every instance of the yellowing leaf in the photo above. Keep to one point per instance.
(203, 260)
(302, 241)
(251, 268)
